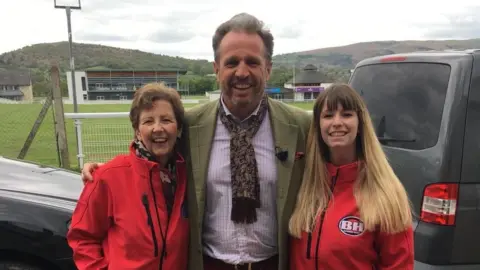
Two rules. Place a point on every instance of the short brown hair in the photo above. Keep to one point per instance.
(148, 94)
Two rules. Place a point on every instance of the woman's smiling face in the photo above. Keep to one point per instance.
(339, 128)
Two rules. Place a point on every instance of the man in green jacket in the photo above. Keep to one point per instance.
(245, 158)
(244, 152)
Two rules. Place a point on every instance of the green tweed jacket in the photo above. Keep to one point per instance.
(290, 129)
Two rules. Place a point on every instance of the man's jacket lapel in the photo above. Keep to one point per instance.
(285, 138)
(289, 132)
(201, 134)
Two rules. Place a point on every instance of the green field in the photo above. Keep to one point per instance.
(102, 138)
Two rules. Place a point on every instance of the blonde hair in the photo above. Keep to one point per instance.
(381, 198)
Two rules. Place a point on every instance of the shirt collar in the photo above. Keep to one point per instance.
(227, 112)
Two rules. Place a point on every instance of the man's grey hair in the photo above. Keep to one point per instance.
(244, 22)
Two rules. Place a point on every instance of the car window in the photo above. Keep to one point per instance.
(405, 101)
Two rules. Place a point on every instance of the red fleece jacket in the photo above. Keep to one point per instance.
(339, 240)
(121, 219)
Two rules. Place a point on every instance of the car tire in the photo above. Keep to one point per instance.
(17, 266)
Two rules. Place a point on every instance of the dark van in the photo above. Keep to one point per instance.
(426, 110)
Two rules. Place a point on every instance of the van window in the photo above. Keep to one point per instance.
(405, 101)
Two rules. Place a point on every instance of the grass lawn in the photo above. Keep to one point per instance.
(102, 138)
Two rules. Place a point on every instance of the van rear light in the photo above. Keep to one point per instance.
(440, 204)
(393, 58)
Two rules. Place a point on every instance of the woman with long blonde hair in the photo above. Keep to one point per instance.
(352, 212)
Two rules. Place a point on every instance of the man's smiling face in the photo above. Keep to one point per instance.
(242, 69)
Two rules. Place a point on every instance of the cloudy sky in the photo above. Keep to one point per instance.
(185, 27)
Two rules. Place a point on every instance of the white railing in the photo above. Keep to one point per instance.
(101, 136)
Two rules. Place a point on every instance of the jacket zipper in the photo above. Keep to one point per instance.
(318, 237)
(150, 224)
(309, 244)
(163, 255)
(322, 217)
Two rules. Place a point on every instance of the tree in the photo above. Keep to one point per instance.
(280, 76)
(198, 85)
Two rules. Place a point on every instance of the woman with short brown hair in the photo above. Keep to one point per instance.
(134, 211)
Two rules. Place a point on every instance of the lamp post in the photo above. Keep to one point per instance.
(68, 5)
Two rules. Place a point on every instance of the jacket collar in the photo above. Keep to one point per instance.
(143, 165)
(344, 173)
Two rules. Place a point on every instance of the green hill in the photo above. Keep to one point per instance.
(335, 62)
(348, 56)
(90, 55)
(38, 58)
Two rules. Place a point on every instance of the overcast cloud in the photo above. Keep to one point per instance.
(185, 27)
(458, 25)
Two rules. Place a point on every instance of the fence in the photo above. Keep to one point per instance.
(37, 131)
(101, 136)
(16, 122)
(34, 130)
